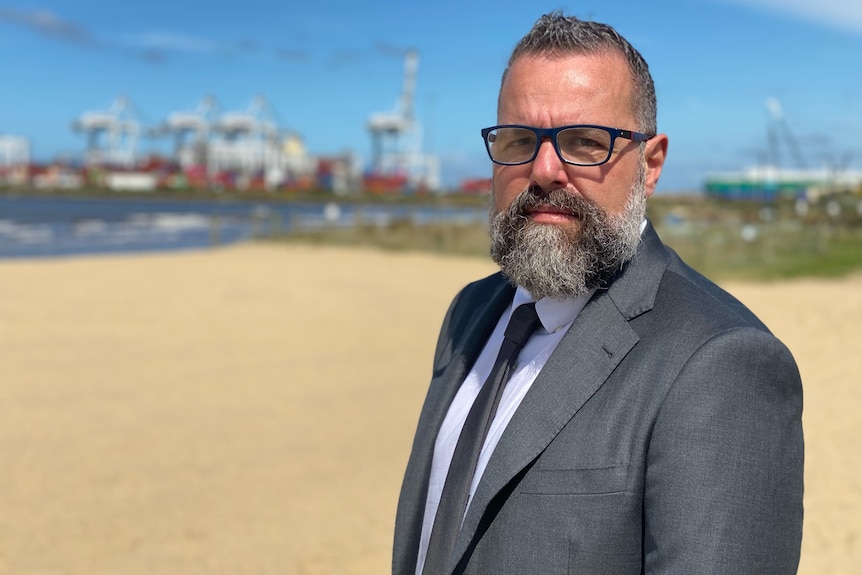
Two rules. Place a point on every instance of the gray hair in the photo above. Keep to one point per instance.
(554, 35)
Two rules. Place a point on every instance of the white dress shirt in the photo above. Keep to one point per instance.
(556, 317)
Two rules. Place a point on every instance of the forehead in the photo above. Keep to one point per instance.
(548, 91)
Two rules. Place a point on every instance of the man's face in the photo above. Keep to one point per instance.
(558, 229)
(580, 89)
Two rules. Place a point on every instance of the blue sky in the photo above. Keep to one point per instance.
(326, 66)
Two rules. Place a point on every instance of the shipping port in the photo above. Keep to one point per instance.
(784, 172)
(242, 149)
(248, 149)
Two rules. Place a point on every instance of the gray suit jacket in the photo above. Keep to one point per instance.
(662, 436)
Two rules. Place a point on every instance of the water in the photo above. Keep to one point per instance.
(47, 227)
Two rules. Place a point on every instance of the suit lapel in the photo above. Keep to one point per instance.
(444, 387)
(597, 341)
(484, 310)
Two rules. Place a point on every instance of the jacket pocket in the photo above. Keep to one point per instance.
(594, 481)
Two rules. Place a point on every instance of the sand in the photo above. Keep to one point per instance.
(249, 410)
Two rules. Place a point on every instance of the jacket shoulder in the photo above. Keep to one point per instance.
(688, 293)
(478, 303)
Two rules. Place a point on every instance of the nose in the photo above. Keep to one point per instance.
(548, 170)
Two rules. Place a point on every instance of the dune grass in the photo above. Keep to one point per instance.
(723, 240)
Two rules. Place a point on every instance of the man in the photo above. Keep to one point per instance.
(652, 424)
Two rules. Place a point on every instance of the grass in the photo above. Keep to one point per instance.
(402, 235)
(722, 240)
(770, 252)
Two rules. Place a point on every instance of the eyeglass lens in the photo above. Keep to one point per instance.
(582, 145)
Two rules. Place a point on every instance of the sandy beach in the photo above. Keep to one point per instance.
(249, 409)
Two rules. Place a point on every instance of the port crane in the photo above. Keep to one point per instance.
(245, 140)
(779, 124)
(771, 179)
(14, 151)
(119, 124)
(191, 131)
(396, 137)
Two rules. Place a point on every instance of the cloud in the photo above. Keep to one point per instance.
(247, 45)
(292, 55)
(838, 14)
(344, 59)
(391, 49)
(154, 46)
(153, 56)
(47, 23)
(167, 42)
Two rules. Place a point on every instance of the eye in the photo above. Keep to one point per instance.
(588, 143)
(513, 139)
(584, 140)
(521, 141)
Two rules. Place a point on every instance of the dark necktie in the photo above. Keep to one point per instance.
(456, 489)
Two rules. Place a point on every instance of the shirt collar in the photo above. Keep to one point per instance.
(555, 314)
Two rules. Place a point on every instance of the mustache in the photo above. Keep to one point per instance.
(558, 199)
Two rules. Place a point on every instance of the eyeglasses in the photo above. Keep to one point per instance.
(580, 145)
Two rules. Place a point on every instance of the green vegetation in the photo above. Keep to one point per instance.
(769, 252)
(724, 240)
(402, 235)
(756, 241)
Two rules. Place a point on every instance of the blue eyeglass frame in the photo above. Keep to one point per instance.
(542, 133)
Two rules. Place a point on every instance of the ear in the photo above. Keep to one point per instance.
(655, 153)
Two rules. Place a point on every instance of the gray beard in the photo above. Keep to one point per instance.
(555, 262)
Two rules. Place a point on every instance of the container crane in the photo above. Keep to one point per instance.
(191, 131)
(773, 180)
(387, 128)
(121, 127)
(249, 143)
(14, 151)
(779, 123)
(396, 137)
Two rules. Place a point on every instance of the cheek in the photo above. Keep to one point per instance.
(506, 185)
(610, 193)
